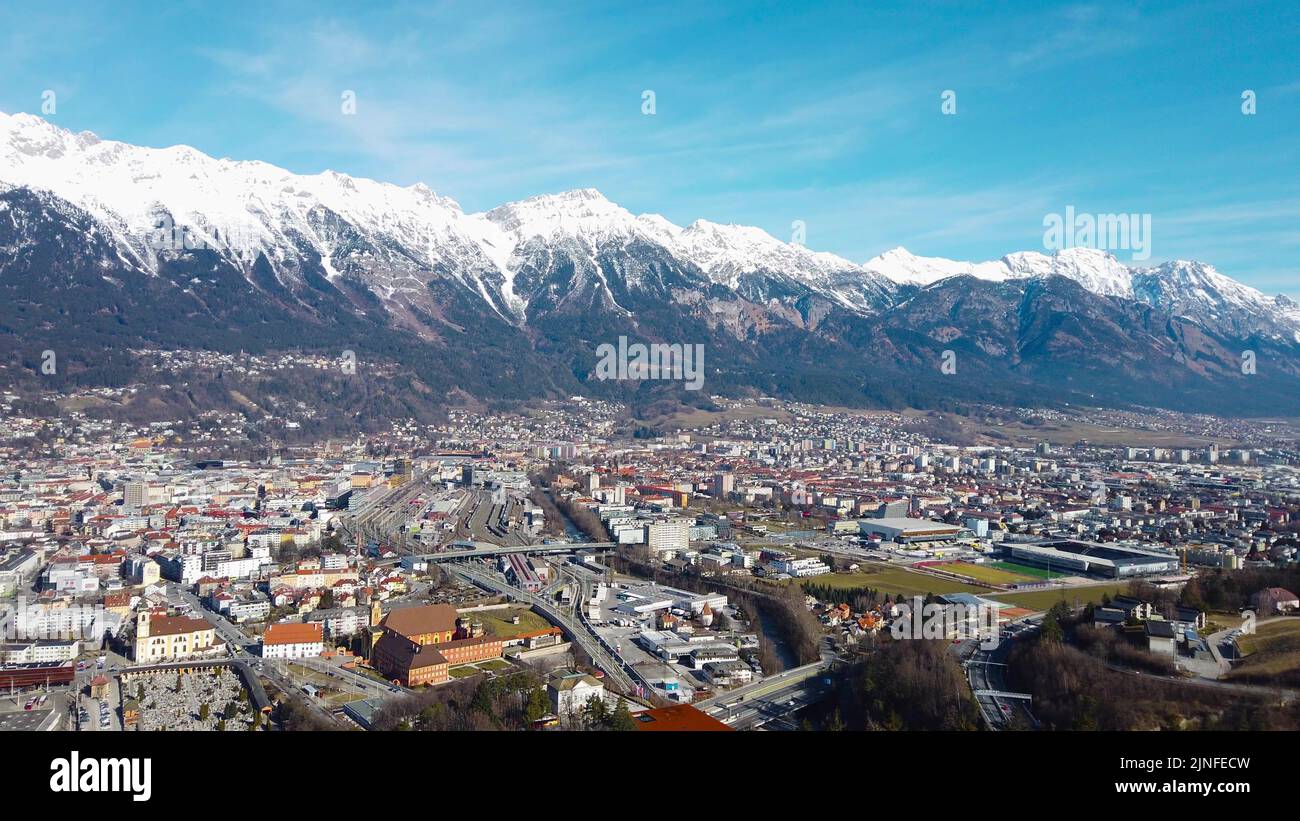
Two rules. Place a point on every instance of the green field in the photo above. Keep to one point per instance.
(1024, 570)
(1273, 655)
(1276, 635)
(893, 580)
(1044, 599)
(497, 622)
(984, 573)
(464, 671)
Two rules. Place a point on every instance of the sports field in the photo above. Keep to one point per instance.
(1044, 599)
(1025, 570)
(985, 573)
(894, 580)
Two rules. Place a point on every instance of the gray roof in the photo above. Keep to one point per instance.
(1160, 630)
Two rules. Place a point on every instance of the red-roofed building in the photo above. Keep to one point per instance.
(293, 641)
(677, 718)
(1273, 600)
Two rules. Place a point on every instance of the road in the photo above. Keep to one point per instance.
(1228, 638)
(228, 631)
(577, 630)
(986, 671)
(245, 649)
(1282, 694)
(776, 710)
(764, 687)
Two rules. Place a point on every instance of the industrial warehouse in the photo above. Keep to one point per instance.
(1090, 558)
(902, 530)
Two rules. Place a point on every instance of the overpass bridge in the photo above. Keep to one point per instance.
(770, 701)
(1003, 694)
(465, 549)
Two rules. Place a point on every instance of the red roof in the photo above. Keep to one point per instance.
(677, 718)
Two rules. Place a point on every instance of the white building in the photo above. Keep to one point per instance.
(293, 641)
(669, 536)
(570, 692)
(45, 650)
(239, 568)
(801, 567)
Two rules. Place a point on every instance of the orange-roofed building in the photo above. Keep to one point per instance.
(288, 640)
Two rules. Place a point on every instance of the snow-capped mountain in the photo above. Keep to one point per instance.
(1183, 288)
(392, 237)
(901, 266)
(1095, 270)
(1197, 290)
(171, 247)
(167, 199)
(382, 232)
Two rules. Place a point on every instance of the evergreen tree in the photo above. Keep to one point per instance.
(538, 706)
(1051, 630)
(621, 719)
(595, 713)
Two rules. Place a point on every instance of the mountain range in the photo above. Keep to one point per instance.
(106, 246)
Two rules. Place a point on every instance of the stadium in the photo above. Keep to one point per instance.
(1092, 559)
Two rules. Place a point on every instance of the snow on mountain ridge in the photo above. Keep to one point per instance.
(394, 236)
(1096, 271)
(1182, 287)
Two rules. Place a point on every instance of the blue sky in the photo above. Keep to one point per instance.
(765, 113)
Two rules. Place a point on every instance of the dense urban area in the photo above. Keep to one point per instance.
(763, 565)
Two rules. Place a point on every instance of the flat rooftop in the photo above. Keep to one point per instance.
(1095, 552)
(904, 523)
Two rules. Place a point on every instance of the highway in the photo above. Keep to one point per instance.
(577, 631)
(764, 687)
(775, 711)
(768, 703)
(986, 671)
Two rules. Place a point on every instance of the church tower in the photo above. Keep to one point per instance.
(376, 632)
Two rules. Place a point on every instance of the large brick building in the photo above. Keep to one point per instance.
(418, 645)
